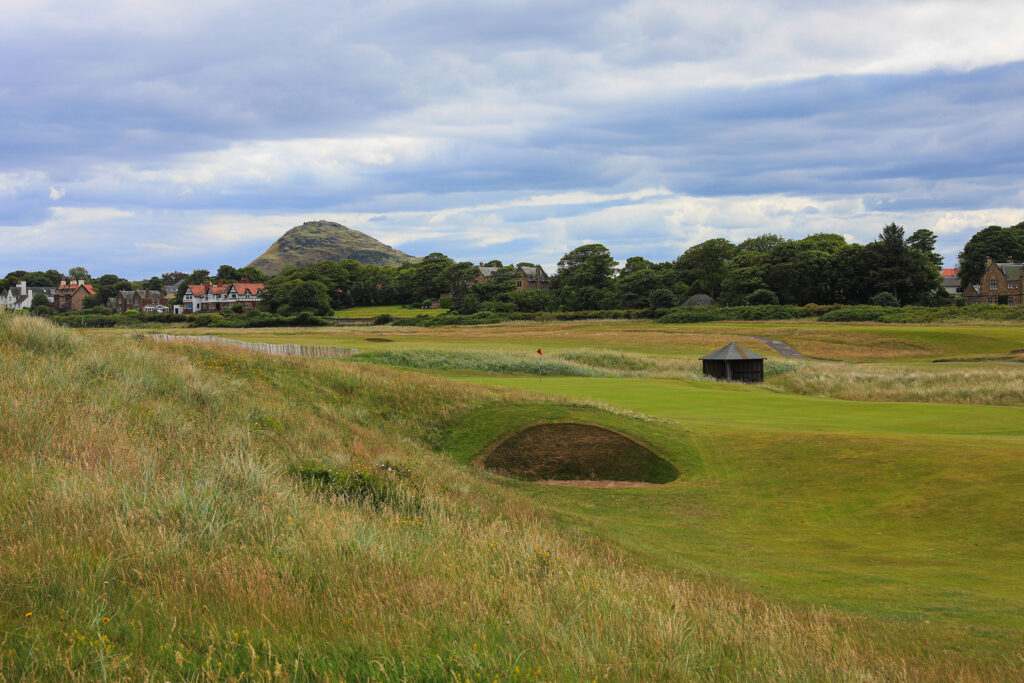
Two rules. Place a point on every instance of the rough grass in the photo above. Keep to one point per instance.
(154, 528)
(988, 384)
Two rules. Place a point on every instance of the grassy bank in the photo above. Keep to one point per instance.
(161, 523)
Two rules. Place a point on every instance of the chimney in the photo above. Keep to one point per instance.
(988, 262)
(23, 286)
(1009, 260)
(63, 283)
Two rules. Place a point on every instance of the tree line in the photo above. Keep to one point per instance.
(769, 269)
(823, 268)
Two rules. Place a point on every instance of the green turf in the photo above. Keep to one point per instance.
(395, 311)
(907, 511)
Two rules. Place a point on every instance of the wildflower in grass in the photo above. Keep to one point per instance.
(106, 620)
(28, 614)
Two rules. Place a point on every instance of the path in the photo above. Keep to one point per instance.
(780, 347)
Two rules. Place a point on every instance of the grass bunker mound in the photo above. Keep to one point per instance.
(568, 451)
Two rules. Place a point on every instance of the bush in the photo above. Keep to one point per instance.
(446, 302)
(763, 297)
(885, 299)
(661, 298)
(384, 319)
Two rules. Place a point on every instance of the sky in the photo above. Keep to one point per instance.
(139, 137)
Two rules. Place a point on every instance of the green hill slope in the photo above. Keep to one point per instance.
(316, 241)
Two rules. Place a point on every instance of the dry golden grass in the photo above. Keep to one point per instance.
(152, 531)
(981, 384)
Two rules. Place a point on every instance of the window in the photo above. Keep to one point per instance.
(993, 285)
(1013, 284)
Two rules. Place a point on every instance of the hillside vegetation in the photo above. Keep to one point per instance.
(316, 241)
(174, 512)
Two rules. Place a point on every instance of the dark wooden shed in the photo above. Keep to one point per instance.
(735, 363)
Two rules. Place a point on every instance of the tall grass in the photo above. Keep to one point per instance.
(154, 529)
(988, 384)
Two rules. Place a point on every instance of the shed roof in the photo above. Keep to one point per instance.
(732, 351)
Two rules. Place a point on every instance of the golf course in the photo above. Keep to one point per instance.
(451, 504)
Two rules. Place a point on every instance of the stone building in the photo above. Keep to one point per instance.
(70, 296)
(1000, 284)
(525, 277)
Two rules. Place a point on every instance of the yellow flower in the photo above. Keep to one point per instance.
(28, 614)
(106, 619)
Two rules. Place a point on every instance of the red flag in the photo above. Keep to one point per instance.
(539, 353)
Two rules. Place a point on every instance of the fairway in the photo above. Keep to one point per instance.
(907, 511)
(862, 342)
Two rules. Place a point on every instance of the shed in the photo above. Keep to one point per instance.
(735, 363)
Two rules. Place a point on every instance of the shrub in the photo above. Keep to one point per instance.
(885, 299)
(763, 297)
(661, 298)
(383, 319)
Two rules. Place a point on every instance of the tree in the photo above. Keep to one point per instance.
(590, 265)
(309, 295)
(704, 266)
(761, 244)
(456, 279)
(997, 243)
(923, 241)
(227, 274)
(172, 277)
(79, 273)
(661, 298)
(762, 297)
(40, 304)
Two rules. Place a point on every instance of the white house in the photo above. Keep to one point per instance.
(20, 296)
(210, 298)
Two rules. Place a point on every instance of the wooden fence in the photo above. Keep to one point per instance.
(261, 347)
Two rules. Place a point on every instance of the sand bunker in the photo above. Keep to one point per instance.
(573, 451)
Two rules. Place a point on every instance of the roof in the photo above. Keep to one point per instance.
(950, 272)
(487, 271)
(699, 300)
(534, 273)
(249, 287)
(1011, 270)
(732, 351)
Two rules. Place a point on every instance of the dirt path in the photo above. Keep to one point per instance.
(780, 347)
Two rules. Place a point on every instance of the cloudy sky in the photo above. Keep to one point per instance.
(138, 137)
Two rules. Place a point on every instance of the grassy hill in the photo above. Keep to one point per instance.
(176, 512)
(316, 241)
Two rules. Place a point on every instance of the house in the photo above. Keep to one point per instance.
(951, 280)
(139, 300)
(1000, 284)
(70, 296)
(525, 277)
(19, 297)
(212, 298)
(734, 363)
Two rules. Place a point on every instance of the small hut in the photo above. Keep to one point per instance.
(735, 363)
